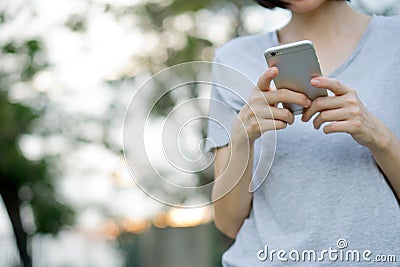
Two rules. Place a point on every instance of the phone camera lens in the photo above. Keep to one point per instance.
(273, 54)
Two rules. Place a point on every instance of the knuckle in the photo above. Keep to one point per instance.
(355, 111)
(318, 103)
(254, 124)
(248, 113)
(269, 95)
(256, 97)
(286, 113)
(336, 83)
(352, 92)
(357, 125)
(272, 97)
(304, 99)
(281, 94)
(352, 101)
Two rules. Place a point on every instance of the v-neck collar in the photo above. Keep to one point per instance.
(361, 43)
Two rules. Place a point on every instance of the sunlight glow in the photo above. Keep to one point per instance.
(189, 217)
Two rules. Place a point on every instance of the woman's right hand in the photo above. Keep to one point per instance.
(261, 113)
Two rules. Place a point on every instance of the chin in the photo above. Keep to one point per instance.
(304, 6)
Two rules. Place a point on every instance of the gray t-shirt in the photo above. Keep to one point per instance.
(321, 188)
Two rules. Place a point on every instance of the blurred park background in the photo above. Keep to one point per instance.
(68, 69)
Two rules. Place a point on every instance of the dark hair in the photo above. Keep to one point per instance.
(275, 3)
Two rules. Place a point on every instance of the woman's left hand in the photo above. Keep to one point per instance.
(346, 113)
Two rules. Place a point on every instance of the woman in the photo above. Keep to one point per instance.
(329, 192)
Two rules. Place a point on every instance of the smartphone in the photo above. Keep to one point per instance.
(298, 64)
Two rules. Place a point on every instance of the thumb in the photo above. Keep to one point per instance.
(264, 82)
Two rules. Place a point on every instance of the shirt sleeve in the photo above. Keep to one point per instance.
(225, 104)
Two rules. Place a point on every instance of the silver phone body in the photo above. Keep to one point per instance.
(298, 64)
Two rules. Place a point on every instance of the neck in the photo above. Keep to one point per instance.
(325, 23)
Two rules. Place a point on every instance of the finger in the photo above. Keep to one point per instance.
(330, 115)
(287, 96)
(323, 103)
(264, 82)
(331, 84)
(338, 127)
(269, 125)
(282, 114)
(272, 113)
(279, 125)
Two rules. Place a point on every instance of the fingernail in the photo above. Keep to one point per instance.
(308, 102)
(315, 82)
(271, 71)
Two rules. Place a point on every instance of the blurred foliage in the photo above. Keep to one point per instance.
(25, 182)
(16, 119)
(76, 23)
(156, 17)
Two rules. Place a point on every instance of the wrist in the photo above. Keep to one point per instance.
(240, 138)
(239, 134)
(383, 140)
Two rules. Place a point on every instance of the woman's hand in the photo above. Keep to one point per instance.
(347, 114)
(261, 114)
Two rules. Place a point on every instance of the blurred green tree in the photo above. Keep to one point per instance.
(25, 182)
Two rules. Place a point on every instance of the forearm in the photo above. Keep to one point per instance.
(234, 164)
(387, 156)
(233, 206)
